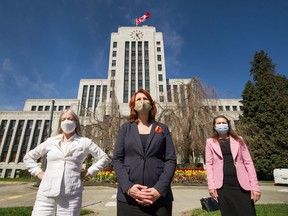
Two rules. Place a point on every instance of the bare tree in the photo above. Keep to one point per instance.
(189, 119)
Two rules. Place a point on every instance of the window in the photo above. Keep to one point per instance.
(113, 63)
(114, 44)
(220, 108)
(213, 108)
(47, 108)
(169, 96)
(40, 108)
(234, 108)
(158, 42)
(112, 84)
(60, 108)
(158, 49)
(114, 54)
(227, 108)
(67, 107)
(159, 67)
(161, 98)
(113, 72)
(158, 57)
(160, 88)
(160, 77)
(241, 108)
(33, 108)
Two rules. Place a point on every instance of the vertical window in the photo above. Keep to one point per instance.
(227, 108)
(158, 42)
(91, 95)
(220, 108)
(97, 96)
(113, 63)
(47, 108)
(169, 95)
(113, 72)
(40, 108)
(160, 77)
(26, 139)
(159, 67)
(7, 141)
(161, 98)
(160, 88)
(114, 44)
(158, 57)
(2, 130)
(234, 108)
(60, 108)
(33, 108)
(146, 59)
(104, 93)
(83, 100)
(126, 73)
(16, 141)
(158, 49)
(114, 53)
(175, 93)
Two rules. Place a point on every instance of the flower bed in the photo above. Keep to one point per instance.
(185, 176)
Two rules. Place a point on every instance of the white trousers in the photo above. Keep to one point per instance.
(57, 206)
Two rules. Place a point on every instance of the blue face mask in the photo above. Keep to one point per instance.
(222, 128)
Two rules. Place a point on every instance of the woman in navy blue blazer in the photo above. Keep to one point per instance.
(144, 161)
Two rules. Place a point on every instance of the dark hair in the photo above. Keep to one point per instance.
(231, 132)
(134, 115)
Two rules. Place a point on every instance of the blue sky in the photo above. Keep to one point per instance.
(46, 47)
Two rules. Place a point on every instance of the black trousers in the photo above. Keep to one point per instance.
(124, 209)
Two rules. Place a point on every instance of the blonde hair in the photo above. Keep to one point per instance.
(75, 119)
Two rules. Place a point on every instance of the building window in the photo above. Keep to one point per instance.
(91, 95)
(241, 108)
(67, 107)
(158, 57)
(54, 108)
(213, 108)
(60, 108)
(175, 93)
(234, 108)
(160, 77)
(160, 88)
(104, 93)
(169, 95)
(40, 108)
(47, 108)
(161, 98)
(114, 44)
(97, 98)
(227, 108)
(112, 84)
(33, 108)
(158, 49)
(159, 67)
(158, 42)
(220, 108)
(113, 63)
(114, 53)
(113, 72)
(83, 101)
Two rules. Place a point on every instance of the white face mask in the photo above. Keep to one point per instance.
(142, 107)
(222, 128)
(68, 126)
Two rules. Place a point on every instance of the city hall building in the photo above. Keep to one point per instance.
(136, 60)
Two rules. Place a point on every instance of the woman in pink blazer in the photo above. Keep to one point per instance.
(231, 175)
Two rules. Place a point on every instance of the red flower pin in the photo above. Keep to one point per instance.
(158, 129)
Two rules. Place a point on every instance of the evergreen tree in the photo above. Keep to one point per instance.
(265, 116)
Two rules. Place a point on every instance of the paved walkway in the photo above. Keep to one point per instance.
(102, 200)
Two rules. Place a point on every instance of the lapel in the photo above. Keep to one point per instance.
(150, 137)
(136, 136)
(216, 147)
(234, 147)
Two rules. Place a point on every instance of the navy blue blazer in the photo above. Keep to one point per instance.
(153, 168)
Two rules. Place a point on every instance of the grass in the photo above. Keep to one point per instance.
(261, 210)
(26, 211)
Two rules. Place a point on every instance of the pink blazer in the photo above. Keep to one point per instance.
(245, 169)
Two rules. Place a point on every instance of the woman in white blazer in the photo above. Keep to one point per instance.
(60, 190)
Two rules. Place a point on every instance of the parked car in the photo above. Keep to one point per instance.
(280, 176)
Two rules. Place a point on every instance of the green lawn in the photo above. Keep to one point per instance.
(26, 211)
(261, 210)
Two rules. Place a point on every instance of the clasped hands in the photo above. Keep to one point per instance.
(143, 195)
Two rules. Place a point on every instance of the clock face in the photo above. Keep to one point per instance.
(137, 35)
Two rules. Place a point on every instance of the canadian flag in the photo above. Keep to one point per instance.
(143, 18)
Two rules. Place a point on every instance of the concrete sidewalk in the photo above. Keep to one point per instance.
(102, 200)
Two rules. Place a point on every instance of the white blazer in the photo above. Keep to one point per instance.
(62, 175)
